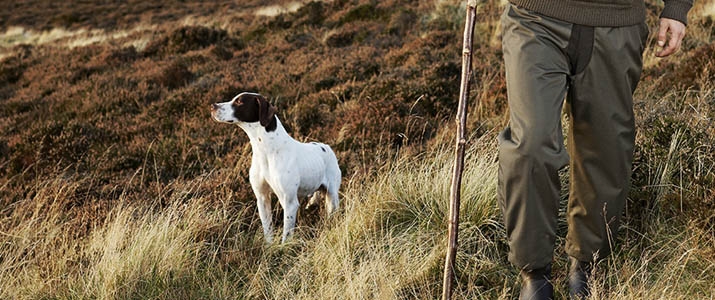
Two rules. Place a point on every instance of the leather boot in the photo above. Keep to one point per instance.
(536, 284)
(579, 275)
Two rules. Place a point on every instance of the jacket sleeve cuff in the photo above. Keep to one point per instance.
(677, 10)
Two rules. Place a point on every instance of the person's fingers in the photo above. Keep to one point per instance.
(672, 45)
(662, 33)
(676, 30)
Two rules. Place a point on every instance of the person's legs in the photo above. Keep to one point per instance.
(531, 149)
(601, 139)
(601, 142)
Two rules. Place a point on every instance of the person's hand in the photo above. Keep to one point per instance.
(676, 30)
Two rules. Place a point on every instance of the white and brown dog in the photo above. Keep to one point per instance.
(290, 169)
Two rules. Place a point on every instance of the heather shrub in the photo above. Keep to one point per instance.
(173, 75)
(696, 70)
(310, 112)
(189, 38)
(115, 182)
(61, 145)
(120, 57)
(342, 38)
(361, 12)
(83, 73)
(672, 159)
(311, 14)
(402, 21)
(221, 52)
(10, 70)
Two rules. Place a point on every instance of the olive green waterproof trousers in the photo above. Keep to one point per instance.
(595, 70)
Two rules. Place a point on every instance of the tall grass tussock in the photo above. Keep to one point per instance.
(115, 184)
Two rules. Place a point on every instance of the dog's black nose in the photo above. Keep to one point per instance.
(214, 106)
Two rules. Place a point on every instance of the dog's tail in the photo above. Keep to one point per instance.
(334, 178)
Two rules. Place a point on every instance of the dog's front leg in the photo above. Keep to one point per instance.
(290, 211)
(264, 211)
(263, 202)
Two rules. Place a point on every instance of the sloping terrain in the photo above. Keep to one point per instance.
(107, 147)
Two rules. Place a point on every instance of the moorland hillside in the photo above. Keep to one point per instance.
(115, 183)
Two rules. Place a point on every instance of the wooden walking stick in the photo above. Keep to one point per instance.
(461, 144)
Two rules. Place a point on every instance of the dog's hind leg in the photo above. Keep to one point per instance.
(332, 201)
(314, 198)
(290, 211)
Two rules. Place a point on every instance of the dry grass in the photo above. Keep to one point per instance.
(114, 184)
(388, 242)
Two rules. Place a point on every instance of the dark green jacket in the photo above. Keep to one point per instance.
(606, 13)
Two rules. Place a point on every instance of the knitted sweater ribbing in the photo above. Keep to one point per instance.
(608, 13)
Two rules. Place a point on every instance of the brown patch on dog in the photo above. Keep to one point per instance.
(251, 108)
(266, 114)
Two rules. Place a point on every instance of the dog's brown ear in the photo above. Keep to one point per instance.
(266, 114)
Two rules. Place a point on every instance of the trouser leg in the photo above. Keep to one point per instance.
(539, 66)
(531, 149)
(601, 139)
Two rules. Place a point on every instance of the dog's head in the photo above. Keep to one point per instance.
(246, 108)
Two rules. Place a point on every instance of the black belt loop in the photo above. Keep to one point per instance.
(580, 47)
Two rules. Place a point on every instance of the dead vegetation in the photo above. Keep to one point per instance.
(126, 121)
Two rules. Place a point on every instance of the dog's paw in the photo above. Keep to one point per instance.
(314, 197)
